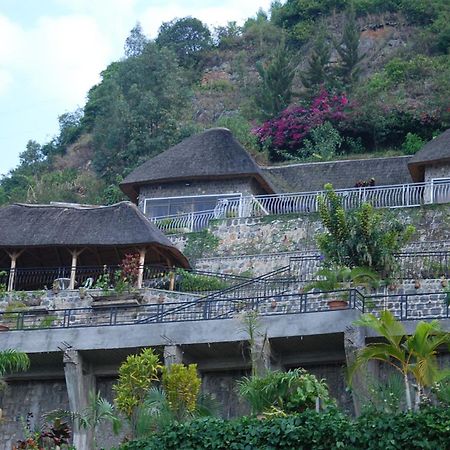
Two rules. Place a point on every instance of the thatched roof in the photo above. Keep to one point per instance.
(65, 225)
(435, 151)
(307, 177)
(213, 154)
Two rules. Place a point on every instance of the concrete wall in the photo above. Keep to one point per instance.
(23, 397)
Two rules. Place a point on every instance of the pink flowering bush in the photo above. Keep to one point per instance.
(287, 132)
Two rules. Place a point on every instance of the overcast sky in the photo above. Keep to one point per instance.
(52, 51)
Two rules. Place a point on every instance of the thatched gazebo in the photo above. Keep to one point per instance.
(45, 237)
(211, 163)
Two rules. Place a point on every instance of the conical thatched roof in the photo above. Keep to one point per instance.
(435, 151)
(65, 225)
(213, 154)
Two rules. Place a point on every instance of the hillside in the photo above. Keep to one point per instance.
(315, 80)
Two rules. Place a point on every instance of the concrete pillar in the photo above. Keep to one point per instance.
(173, 354)
(355, 340)
(80, 382)
(260, 356)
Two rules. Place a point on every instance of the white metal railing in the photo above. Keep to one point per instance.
(393, 196)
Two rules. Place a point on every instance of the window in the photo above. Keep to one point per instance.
(160, 207)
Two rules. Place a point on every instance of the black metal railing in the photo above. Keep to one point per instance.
(411, 265)
(431, 305)
(154, 276)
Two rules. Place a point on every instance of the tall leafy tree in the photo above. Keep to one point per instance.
(348, 50)
(135, 42)
(318, 70)
(275, 90)
(187, 37)
(135, 112)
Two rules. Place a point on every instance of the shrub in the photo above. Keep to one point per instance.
(288, 131)
(412, 144)
(427, 429)
(283, 392)
(362, 237)
(136, 375)
(325, 142)
(192, 282)
(182, 387)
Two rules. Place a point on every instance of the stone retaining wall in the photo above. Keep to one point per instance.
(296, 232)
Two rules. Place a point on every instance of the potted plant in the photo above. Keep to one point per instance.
(331, 280)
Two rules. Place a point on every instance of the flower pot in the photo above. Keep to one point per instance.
(337, 304)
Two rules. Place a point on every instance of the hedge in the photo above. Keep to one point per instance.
(427, 429)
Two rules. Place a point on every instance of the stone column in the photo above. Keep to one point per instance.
(261, 355)
(173, 354)
(80, 382)
(355, 340)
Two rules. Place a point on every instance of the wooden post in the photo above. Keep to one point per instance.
(172, 281)
(172, 275)
(12, 272)
(73, 267)
(140, 279)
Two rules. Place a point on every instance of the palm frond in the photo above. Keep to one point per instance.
(13, 361)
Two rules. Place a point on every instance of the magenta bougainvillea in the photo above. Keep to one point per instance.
(292, 126)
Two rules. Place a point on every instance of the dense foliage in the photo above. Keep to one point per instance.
(136, 376)
(362, 237)
(427, 429)
(182, 387)
(284, 135)
(413, 356)
(283, 392)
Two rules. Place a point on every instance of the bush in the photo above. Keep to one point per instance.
(427, 429)
(287, 132)
(192, 282)
(283, 392)
(412, 144)
(182, 387)
(362, 237)
(325, 142)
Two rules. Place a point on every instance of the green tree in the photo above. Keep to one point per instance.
(348, 50)
(135, 42)
(275, 89)
(136, 111)
(414, 355)
(187, 37)
(318, 71)
(32, 155)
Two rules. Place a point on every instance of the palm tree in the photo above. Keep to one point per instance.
(13, 361)
(423, 345)
(411, 355)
